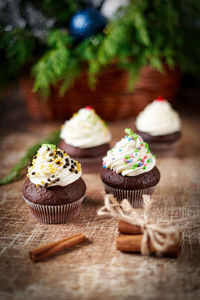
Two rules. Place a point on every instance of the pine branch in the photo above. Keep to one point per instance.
(149, 32)
(16, 171)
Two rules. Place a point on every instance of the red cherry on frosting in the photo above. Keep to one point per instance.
(160, 99)
(88, 107)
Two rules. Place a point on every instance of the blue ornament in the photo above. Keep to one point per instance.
(86, 22)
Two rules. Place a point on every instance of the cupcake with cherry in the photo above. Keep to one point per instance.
(129, 170)
(160, 126)
(54, 189)
(86, 138)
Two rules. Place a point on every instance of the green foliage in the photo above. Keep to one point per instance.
(17, 170)
(150, 32)
(52, 67)
(16, 48)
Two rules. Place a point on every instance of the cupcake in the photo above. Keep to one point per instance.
(54, 189)
(129, 170)
(86, 137)
(160, 126)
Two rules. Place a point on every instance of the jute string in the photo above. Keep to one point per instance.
(160, 236)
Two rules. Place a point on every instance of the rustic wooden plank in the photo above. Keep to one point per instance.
(97, 270)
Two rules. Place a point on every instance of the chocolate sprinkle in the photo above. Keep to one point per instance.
(76, 172)
(33, 173)
(60, 153)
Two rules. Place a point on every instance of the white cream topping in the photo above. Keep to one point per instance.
(85, 130)
(52, 166)
(130, 156)
(158, 118)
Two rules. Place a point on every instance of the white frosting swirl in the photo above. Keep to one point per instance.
(85, 130)
(158, 118)
(130, 157)
(52, 166)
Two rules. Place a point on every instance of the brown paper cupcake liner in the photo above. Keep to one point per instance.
(133, 196)
(90, 165)
(164, 149)
(55, 214)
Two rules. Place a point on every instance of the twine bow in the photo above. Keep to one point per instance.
(161, 237)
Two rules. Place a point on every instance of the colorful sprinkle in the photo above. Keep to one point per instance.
(131, 134)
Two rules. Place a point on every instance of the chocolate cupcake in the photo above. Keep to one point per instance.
(160, 126)
(85, 137)
(54, 189)
(129, 170)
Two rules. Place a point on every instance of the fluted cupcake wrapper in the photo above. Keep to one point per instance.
(90, 165)
(54, 214)
(133, 196)
(164, 149)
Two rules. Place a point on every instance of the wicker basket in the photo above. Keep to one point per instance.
(111, 98)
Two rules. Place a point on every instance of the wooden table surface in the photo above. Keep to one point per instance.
(96, 270)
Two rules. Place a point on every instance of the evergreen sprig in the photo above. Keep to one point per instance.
(16, 171)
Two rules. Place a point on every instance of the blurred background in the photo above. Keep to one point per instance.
(114, 55)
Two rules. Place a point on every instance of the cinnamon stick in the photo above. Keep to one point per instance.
(44, 248)
(132, 243)
(56, 247)
(125, 227)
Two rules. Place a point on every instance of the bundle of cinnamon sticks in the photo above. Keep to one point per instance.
(130, 240)
(54, 248)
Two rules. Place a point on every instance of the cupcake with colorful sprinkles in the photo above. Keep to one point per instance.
(160, 126)
(54, 189)
(129, 170)
(86, 137)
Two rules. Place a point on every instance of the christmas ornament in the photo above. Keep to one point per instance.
(110, 7)
(86, 22)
